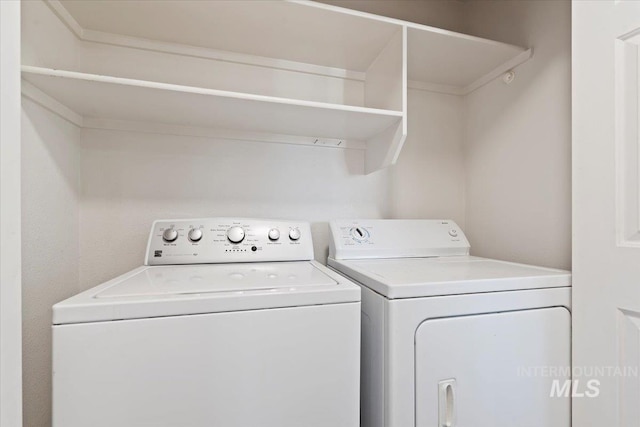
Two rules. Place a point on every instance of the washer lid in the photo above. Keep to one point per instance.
(424, 277)
(199, 279)
(197, 289)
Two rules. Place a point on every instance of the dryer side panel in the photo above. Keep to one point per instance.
(493, 369)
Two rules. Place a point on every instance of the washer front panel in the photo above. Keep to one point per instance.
(287, 367)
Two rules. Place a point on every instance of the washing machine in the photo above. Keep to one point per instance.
(228, 323)
(452, 340)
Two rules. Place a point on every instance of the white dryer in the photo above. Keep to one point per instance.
(451, 340)
(229, 323)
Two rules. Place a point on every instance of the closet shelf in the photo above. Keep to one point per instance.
(107, 97)
(315, 38)
(378, 56)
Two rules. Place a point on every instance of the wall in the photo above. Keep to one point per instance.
(130, 179)
(428, 180)
(518, 138)
(50, 212)
(10, 221)
(50, 152)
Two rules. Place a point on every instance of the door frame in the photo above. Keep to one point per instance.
(10, 225)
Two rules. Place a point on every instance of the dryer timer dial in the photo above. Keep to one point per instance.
(359, 234)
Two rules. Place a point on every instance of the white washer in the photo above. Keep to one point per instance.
(449, 339)
(229, 338)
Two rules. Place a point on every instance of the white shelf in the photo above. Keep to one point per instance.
(282, 30)
(457, 63)
(387, 55)
(298, 35)
(106, 97)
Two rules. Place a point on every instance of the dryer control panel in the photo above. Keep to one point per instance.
(395, 238)
(226, 240)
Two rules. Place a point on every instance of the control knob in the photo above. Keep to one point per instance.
(170, 235)
(359, 234)
(195, 234)
(274, 234)
(294, 234)
(235, 234)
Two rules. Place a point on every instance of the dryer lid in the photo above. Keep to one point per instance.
(159, 291)
(425, 277)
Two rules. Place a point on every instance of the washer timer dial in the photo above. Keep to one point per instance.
(235, 234)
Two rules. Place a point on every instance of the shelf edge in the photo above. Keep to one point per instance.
(28, 69)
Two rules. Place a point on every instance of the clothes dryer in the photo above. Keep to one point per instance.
(453, 340)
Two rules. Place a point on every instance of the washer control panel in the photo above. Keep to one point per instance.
(222, 240)
(395, 238)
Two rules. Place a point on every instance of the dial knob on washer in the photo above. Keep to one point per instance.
(274, 234)
(195, 234)
(235, 234)
(294, 234)
(170, 235)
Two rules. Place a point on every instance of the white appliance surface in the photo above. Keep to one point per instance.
(229, 323)
(172, 280)
(284, 367)
(152, 291)
(450, 339)
(486, 365)
(267, 265)
(451, 275)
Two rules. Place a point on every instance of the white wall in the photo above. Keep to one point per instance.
(130, 179)
(50, 153)
(518, 138)
(428, 180)
(10, 242)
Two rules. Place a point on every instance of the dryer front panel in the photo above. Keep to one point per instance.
(494, 369)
